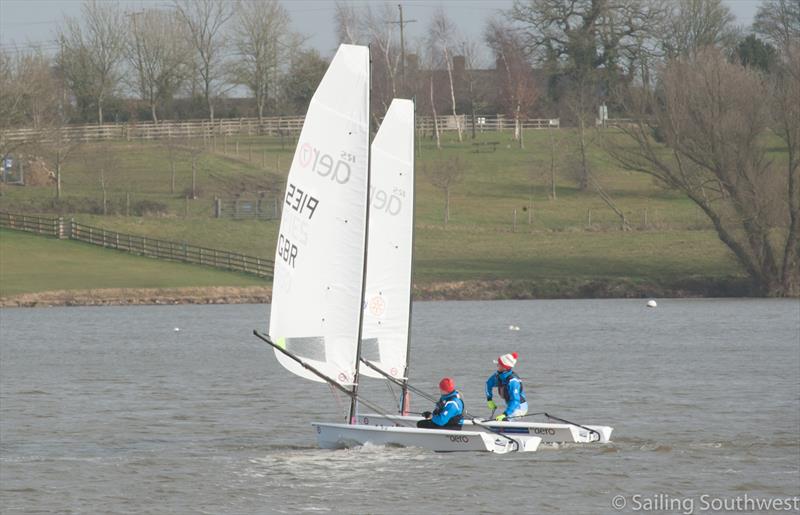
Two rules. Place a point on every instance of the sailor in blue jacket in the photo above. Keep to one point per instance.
(510, 388)
(449, 411)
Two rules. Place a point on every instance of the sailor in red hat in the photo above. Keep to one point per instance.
(449, 411)
(509, 386)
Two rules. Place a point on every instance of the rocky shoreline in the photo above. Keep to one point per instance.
(451, 290)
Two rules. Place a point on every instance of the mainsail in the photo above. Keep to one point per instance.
(318, 279)
(387, 293)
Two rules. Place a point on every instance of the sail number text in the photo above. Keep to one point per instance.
(301, 201)
(287, 250)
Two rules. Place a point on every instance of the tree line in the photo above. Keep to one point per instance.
(196, 59)
(704, 96)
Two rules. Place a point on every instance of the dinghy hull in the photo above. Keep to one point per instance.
(549, 433)
(338, 436)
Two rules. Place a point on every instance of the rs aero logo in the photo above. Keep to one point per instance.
(324, 164)
(459, 438)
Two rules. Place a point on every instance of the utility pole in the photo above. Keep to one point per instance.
(402, 24)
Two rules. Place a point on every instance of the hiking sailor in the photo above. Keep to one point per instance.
(510, 388)
(448, 413)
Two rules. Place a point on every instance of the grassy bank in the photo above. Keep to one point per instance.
(36, 270)
(566, 242)
(30, 263)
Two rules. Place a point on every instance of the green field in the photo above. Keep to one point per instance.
(30, 263)
(554, 240)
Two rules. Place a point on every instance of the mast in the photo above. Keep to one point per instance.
(405, 400)
(351, 419)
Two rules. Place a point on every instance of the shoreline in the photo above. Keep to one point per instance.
(501, 289)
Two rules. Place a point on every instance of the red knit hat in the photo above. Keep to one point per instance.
(447, 385)
(507, 361)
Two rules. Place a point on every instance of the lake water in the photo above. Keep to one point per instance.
(110, 410)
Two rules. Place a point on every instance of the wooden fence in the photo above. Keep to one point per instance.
(35, 224)
(140, 245)
(261, 209)
(273, 126)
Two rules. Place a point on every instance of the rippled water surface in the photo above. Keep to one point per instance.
(110, 410)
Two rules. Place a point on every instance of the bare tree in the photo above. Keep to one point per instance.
(580, 103)
(374, 25)
(105, 163)
(263, 42)
(383, 39)
(29, 96)
(779, 21)
(711, 117)
(441, 37)
(517, 85)
(692, 25)
(175, 149)
(197, 155)
(158, 54)
(204, 21)
(57, 148)
(444, 175)
(469, 49)
(554, 138)
(12, 94)
(348, 23)
(785, 96)
(91, 51)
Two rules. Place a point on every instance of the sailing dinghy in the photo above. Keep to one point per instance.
(318, 298)
(385, 344)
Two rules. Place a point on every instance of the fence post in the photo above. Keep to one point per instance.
(60, 228)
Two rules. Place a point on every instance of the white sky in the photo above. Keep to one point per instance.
(26, 22)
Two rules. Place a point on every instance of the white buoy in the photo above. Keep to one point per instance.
(511, 328)
(651, 303)
(177, 329)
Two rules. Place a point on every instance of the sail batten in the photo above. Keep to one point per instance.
(319, 259)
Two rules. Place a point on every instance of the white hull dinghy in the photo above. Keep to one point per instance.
(329, 308)
(548, 432)
(338, 436)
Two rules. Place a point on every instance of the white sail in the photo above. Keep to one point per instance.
(391, 218)
(317, 285)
